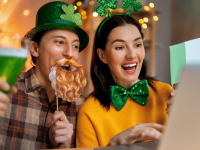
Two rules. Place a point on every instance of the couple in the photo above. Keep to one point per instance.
(113, 114)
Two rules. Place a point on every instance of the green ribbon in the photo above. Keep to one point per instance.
(58, 21)
(139, 92)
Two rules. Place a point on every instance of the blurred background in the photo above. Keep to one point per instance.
(164, 23)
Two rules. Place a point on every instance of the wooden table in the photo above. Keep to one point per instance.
(136, 146)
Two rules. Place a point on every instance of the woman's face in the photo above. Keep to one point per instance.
(124, 54)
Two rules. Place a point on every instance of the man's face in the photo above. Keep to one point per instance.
(55, 45)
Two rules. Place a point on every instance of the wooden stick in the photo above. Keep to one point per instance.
(57, 101)
(172, 87)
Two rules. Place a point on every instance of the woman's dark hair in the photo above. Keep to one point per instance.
(100, 72)
(37, 39)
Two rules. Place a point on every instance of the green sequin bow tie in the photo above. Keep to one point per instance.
(139, 92)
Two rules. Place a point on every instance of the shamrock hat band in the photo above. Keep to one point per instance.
(59, 21)
(59, 15)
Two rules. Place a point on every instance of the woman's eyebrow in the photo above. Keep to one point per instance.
(137, 38)
(120, 40)
(117, 40)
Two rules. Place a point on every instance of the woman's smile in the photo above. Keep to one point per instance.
(129, 67)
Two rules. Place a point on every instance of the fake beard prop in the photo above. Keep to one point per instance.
(68, 79)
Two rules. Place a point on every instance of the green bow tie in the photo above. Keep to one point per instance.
(139, 92)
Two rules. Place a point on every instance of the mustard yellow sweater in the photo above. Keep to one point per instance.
(96, 125)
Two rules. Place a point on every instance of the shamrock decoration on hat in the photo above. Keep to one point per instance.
(69, 14)
(101, 10)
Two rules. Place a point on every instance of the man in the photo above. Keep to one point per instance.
(30, 121)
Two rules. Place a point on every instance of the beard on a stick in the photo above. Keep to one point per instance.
(70, 79)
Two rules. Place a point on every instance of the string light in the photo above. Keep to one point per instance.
(91, 2)
(144, 26)
(4, 1)
(80, 10)
(146, 8)
(146, 19)
(84, 17)
(26, 12)
(95, 14)
(141, 21)
(79, 3)
(110, 10)
(155, 18)
(151, 5)
(120, 10)
(75, 7)
(83, 13)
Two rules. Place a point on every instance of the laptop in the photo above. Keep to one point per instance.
(182, 130)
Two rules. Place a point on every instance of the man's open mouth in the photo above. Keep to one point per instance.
(68, 68)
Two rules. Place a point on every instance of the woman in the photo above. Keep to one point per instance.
(107, 117)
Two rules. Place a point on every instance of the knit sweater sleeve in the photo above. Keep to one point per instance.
(86, 135)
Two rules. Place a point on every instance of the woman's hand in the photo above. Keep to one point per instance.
(61, 131)
(170, 100)
(138, 133)
(4, 99)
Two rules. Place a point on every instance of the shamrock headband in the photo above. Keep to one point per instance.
(112, 4)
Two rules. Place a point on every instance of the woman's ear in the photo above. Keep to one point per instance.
(33, 48)
(101, 54)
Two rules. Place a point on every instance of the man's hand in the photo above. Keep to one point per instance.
(61, 131)
(4, 99)
(170, 100)
(138, 133)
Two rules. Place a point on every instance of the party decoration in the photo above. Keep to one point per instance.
(133, 4)
(183, 54)
(68, 79)
(69, 14)
(112, 4)
(139, 92)
(49, 17)
(101, 10)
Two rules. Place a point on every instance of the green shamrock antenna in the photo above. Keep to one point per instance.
(69, 14)
(101, 10)
(133, 4)
(112, 4)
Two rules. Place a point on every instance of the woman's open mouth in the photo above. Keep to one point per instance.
(130, 68)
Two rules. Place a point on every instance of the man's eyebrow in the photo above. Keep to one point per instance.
(60, 36)
(76, 40)
(120, 40)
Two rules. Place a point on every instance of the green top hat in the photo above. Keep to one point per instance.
(59, 15)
